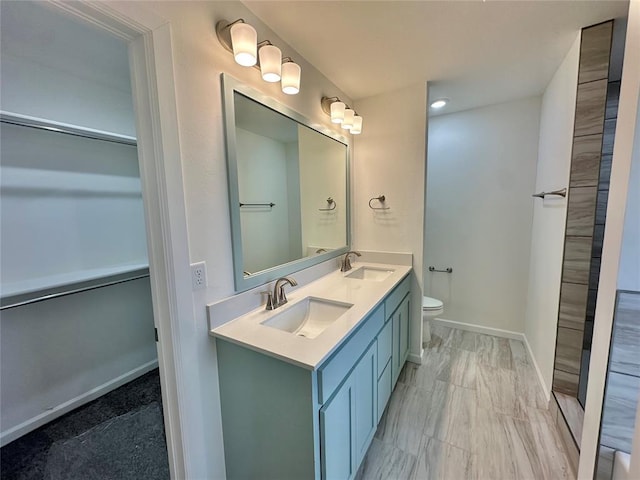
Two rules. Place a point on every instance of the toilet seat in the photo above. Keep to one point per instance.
(429, 304)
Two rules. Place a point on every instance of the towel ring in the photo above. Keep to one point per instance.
(381, 199)
(330, 201)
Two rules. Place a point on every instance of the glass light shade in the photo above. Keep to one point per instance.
(290, 78)
(349, 115)
(270, 63)
(337, 112)
(244, 40)
(357, 125)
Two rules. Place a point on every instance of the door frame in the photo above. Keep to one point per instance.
(153, 88)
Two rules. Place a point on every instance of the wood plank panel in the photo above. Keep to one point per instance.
(568, 350)
(594, 52)
(613, 99)
(565, 382)
(581, 211)
(577, 259)
(590, 107)
(625, 351)
(573, 306)
(605, 172)
(585, 161)
(619, 412)
(601, 207)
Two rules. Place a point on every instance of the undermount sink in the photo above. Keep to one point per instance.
(370, 273)
(309, 317)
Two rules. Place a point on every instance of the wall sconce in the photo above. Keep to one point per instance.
(241, 39)
(341, 113)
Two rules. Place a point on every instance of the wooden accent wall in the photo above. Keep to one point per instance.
(586, 206)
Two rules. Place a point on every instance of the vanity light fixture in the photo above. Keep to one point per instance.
(241, 39)
(342, 114)
(439, 103)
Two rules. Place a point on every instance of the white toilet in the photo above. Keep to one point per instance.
(431, 307)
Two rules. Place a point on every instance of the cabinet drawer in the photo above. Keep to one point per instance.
(395, 297)
(385, 345)
(336, 368)
(384, 389)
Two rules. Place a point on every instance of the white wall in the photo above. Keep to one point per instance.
(481, 174)
(549, 215)
(48, 72)
(198, 62)
(390, 160)
(322, 175)
(63, 352)
(263, 178)
(70, 207)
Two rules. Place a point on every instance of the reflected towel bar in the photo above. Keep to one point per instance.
(381, 199)
(330, 201)
(560, 193)
(258, 204)
(446, 270)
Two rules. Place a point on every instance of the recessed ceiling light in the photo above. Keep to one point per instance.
(441, 102)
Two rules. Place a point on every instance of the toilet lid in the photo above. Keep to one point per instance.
(429, 303)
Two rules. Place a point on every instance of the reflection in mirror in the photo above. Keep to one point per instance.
(288, 188)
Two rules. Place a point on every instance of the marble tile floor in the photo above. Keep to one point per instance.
(472, 410)
(573, 414)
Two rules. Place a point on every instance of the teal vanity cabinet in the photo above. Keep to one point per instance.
(283, 421)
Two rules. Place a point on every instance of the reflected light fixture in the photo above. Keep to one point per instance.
(342, 114)
(241, 39)
(439, 103)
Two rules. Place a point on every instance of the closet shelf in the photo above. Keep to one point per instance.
(65, 128)
(24, 292)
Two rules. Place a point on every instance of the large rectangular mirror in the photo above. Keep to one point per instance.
(288, 187)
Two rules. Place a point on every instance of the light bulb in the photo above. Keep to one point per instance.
(244, 40)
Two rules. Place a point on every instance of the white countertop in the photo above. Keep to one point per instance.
(247, 330)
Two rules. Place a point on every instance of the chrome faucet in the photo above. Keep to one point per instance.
(278, 298)
(346, 261)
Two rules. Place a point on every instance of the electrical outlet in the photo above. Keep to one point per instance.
(198, 275)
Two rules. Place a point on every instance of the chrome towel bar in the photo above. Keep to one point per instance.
(560, 193)
(330, 201)
(446, 270)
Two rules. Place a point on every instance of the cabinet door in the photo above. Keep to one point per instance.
(337, 424)
(395, 351)
(365, 380)
(405, 311)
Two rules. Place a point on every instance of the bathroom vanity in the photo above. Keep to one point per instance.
(303, 386)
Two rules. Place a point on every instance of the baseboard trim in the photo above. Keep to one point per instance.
(478, 328)
(31, 424)
(545, 391)
(499, 333)
(414, 358)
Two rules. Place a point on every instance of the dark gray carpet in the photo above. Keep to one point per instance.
(130, 446)
(27, 458)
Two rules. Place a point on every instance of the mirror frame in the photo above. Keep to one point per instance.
(229, 86)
